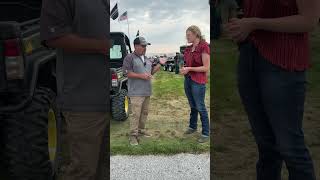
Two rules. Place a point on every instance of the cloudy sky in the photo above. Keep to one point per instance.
(163, 23)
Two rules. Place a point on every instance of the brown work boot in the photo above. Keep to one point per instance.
(144, 133)
(133, 140)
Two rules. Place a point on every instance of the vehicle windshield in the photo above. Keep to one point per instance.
(115, 52)
(118, 50)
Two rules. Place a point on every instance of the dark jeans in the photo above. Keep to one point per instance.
(274, 101)
(195, 93)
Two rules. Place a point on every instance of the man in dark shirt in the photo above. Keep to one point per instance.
(79, 30)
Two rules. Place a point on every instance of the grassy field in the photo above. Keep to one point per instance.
(234, 149)
(168, 119)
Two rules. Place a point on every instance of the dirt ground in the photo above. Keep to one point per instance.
(234, 151)
(172, 113)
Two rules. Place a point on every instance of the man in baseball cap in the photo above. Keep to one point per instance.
(140, 41)
(139, 70)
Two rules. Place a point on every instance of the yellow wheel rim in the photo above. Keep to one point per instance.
(126, 104)
(52, 134)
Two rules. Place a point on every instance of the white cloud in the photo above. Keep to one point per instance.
(163, 23)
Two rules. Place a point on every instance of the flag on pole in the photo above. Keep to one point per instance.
(124, 16)
(114, 12)
(138, 34)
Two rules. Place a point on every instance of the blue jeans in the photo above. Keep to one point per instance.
(274, 101)
(195, 93)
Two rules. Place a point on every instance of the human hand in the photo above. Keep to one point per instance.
(239, 29)
(146, 76)
(184, 70)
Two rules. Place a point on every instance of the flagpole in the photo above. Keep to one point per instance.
(128, 27)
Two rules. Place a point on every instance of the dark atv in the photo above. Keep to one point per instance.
(174, 63)
(119, 88)
(169, 65)
(31, 125)
(29, 119)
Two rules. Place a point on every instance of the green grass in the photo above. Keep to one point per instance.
(167, 120)
(169, 84)
(224, 73)
(313, 74)
(159, 146)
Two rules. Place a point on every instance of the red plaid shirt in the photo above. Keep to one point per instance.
(194, 59)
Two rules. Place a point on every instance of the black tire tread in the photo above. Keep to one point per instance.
(118, 106)
(26, 145)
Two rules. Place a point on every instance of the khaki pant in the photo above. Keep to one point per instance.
(140, 110)
(85, 131)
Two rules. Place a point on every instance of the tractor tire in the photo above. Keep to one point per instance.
(120, 106)
(172, 68)
(27, 144)
(165, 68)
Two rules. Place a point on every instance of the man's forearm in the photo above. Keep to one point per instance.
(134, 75)
(305, 21)
(74, 43)
(199, 69)
(289, 24)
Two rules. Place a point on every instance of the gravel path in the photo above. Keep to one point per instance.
(176, 167)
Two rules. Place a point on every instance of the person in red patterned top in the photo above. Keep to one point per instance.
(197, 65)
(274, 55)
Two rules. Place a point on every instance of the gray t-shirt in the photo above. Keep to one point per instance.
(134, 63)
(82, 78)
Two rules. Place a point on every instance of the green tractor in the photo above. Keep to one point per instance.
(120, 103)
(31, 126)
(29, 118)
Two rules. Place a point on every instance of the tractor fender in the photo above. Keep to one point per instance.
(34, 69)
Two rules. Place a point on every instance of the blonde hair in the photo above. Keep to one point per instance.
(196, 30)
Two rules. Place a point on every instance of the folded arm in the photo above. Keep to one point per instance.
(75, 43)
(143, 76)
(305, 21)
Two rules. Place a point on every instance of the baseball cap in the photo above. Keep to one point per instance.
(140, 41)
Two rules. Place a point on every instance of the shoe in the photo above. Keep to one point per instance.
(203, 139)
(145, 133)
(133, 140)
(190, 131)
